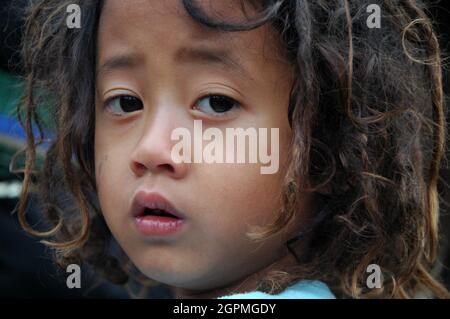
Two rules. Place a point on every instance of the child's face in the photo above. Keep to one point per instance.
(133, 147)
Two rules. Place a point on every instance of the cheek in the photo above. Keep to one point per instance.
(251, 188)
(240, 195)
(247, 194)
(101, 147)
(113, 195)
(235, 199)
(110, 165)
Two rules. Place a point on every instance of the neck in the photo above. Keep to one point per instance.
(246, 284)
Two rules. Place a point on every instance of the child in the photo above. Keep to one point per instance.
(352, 87)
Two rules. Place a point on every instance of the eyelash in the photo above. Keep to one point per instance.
(236, 104)
(107, 103)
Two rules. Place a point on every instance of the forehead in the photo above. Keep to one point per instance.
(161, 28)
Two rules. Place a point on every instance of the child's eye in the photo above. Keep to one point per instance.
(123, 104)
(216, 104)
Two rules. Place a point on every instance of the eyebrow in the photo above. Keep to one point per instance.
(120, 61)
(203, 55)
(184, 55)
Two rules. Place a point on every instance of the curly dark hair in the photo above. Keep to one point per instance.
(368, 122)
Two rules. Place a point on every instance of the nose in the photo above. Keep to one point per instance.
(152, 154)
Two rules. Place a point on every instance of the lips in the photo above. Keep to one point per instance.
(146, 203)
(155, 216)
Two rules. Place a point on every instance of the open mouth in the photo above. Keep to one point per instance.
(156, 216)
(153, 205)
(157, 212)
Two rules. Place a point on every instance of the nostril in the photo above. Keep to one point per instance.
(167, 167)
(138, 167)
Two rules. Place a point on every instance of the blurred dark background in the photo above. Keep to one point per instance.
(26, 266)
